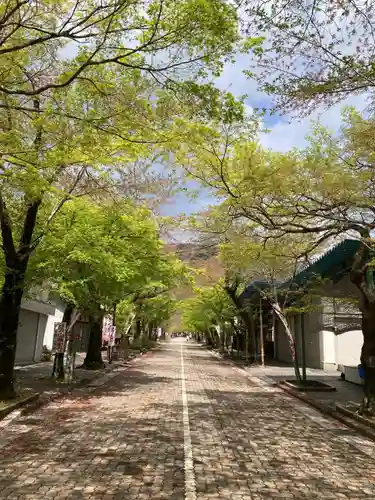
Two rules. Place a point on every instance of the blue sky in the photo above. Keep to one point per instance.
(284, 133)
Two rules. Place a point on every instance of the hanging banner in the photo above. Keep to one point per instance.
(106, 329)
(58, 343)
(112, 336)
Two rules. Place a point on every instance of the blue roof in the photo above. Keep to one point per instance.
(333, 264)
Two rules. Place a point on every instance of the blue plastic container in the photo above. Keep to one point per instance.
(361, 371)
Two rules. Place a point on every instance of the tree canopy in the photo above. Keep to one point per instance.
(311, 53)
(98, 254)
(47, 46)
(210, 307)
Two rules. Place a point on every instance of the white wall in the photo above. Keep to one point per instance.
(348, 348)
(27, 336)
(328, 349)
(40, 336)
(52, 319)
(313, 346)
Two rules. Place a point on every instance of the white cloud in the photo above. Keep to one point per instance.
(233, 80)
(285, 135)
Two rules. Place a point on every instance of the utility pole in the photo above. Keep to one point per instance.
(112, 336)
(303, 347)
(261, 331)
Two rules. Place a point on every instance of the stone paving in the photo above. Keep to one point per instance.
(346, 392)
(37, 376)
(130, 440)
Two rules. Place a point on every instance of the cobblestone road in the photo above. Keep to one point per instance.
(180, 424)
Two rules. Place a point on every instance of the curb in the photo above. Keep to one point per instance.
(228, 361)
(18, 404)
(323, 388)
(330, 413)
(361, 420)
(362, 429)
(35, 401)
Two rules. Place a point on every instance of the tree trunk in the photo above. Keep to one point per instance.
(93, 359)
(222, 338)
(110, 347)
(368, 360)
(10, 303)
(292, 343)
(251, 340)
(58, 362)
(71, 350)
(246, 346)
(362, 276)
(209, 339)
(246, 318)
(137, 329)
(16, 261)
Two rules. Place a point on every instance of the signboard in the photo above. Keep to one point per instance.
(58, 344)
(112, 336)
(106, 328)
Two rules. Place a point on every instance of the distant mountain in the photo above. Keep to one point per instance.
(191, 252)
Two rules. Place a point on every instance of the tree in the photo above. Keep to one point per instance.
(70, 123)
(208, 312)
(270, 267)
(169, 273)
(323, 193)
(124, 316)
(45, 47)
(94, 256)
(311, 53)
(155, 312)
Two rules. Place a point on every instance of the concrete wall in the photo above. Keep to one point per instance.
(348, 348)
(282, 351)
(56, 317)
(343, 288)
(347, 343)
(328, 350)
(313, 345)
(31, 330)
(27, 336)
(324, 348)
(320, 345)
(40, 336)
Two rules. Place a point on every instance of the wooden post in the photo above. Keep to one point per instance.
(261, 331)
(247, 343)
(303, 346)
(110, 347)
(252, 333)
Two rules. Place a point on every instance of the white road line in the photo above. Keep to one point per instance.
(190, 489)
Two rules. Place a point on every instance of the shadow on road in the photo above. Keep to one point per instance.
(126, 441)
